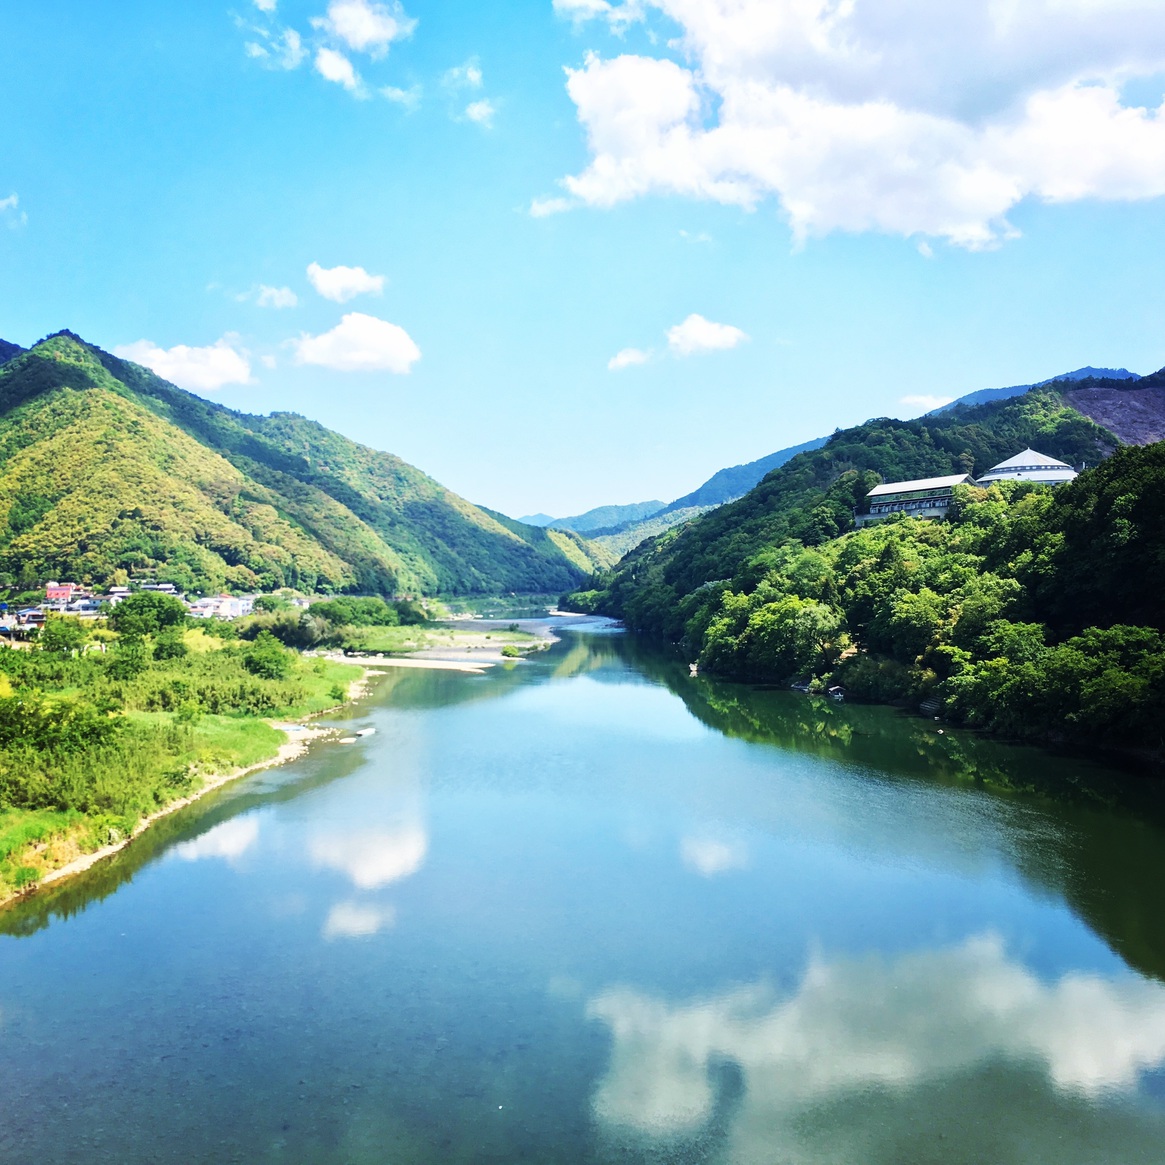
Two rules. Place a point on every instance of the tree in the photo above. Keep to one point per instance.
(147, 613)
(63, 636)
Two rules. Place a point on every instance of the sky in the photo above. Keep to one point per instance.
(567, 253)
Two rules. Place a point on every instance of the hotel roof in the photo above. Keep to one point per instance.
(1029, 459)
(903, 487)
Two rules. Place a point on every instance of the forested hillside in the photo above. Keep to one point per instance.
(1032, 611)
(108, 472)
(812, 498)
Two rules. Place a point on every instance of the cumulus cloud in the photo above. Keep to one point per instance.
(366, 27)
(926, 402)
(197, 369)
(340, 284)
(482, 112)
(276, 297)
(696, 334)
(899, 116)
(334, 66)
(628, 358)
(374, 857)
(230, 841)
(862, 1027)
(357, 920)
(360, 343)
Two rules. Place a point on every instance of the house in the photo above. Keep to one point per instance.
(1030, 466)
(55, 592)
(928, 497)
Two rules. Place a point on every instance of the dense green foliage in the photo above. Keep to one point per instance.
(108, 472)
(1030, 611)
(94, 741)
(988, 613)
(812, 498)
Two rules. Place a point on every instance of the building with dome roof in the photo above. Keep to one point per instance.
(1029, 466)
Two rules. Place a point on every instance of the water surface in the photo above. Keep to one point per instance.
(589, 909)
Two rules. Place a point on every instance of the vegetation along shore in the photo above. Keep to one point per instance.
(107, 724)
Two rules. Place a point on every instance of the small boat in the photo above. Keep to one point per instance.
(837, 692)
(366, 732)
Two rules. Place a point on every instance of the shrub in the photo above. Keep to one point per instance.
(267, 658)
(147, 613)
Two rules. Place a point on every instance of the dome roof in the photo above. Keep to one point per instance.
(1029, 459)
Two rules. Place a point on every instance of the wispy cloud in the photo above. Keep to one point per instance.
(10, 213)
(481, 112)
(925, 402)
(628, 358)
(366, 27)
(332, 65)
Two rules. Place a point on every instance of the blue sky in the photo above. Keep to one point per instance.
(787, 215)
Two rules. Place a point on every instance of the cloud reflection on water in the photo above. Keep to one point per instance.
(358, 920)
(373, 857)
(859, 1026)
(230, 841)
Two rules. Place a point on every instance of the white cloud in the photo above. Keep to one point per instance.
(340, 284)
(266, 5)
(268, 361)
(855, 1028)
(467, 76)
(10, 212)
(900, 116)
(617, 15)
(628, 358)
(196, 369)
(357, 920)
(709, 856)
(925, 249)
(482, 112)
(276, 297)
(276, 49)
(545, 207)
(925, 402)
(374, 857)
(366, 27)
(410, 98)
(696, 334)
(334, 66)
(230, 841)
(360, 343)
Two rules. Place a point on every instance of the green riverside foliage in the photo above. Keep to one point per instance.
(108, 472)
(981, 612)
(1030, 611)
(93, 742)
(812, 498)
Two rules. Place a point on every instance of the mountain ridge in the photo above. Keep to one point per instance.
(229, 498)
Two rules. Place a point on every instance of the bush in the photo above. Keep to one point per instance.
(62, 635)
(267, 658)
(170, 645)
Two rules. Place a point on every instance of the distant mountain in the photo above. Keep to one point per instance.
(536, 520)
(107, 471)
(605, 517)
(983, 395)
(618, 529)
(8, 351)
(729, 484)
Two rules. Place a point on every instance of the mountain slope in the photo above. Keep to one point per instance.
(985, 395)
(812, 497)
(107, 469)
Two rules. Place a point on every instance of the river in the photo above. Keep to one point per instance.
(588, 908)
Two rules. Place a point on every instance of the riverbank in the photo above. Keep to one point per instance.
(81, 785)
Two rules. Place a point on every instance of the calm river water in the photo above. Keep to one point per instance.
(589, 909)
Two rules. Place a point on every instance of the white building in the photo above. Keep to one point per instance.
(1029, 466)
(929, 497)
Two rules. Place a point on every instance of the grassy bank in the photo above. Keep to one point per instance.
(93, 742)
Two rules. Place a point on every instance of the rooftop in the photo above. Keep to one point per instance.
(925, 483)
(1029, 459)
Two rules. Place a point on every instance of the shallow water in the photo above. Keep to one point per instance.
(589, 909)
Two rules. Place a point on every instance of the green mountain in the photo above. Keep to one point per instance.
(108, 472)
(811, 498)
